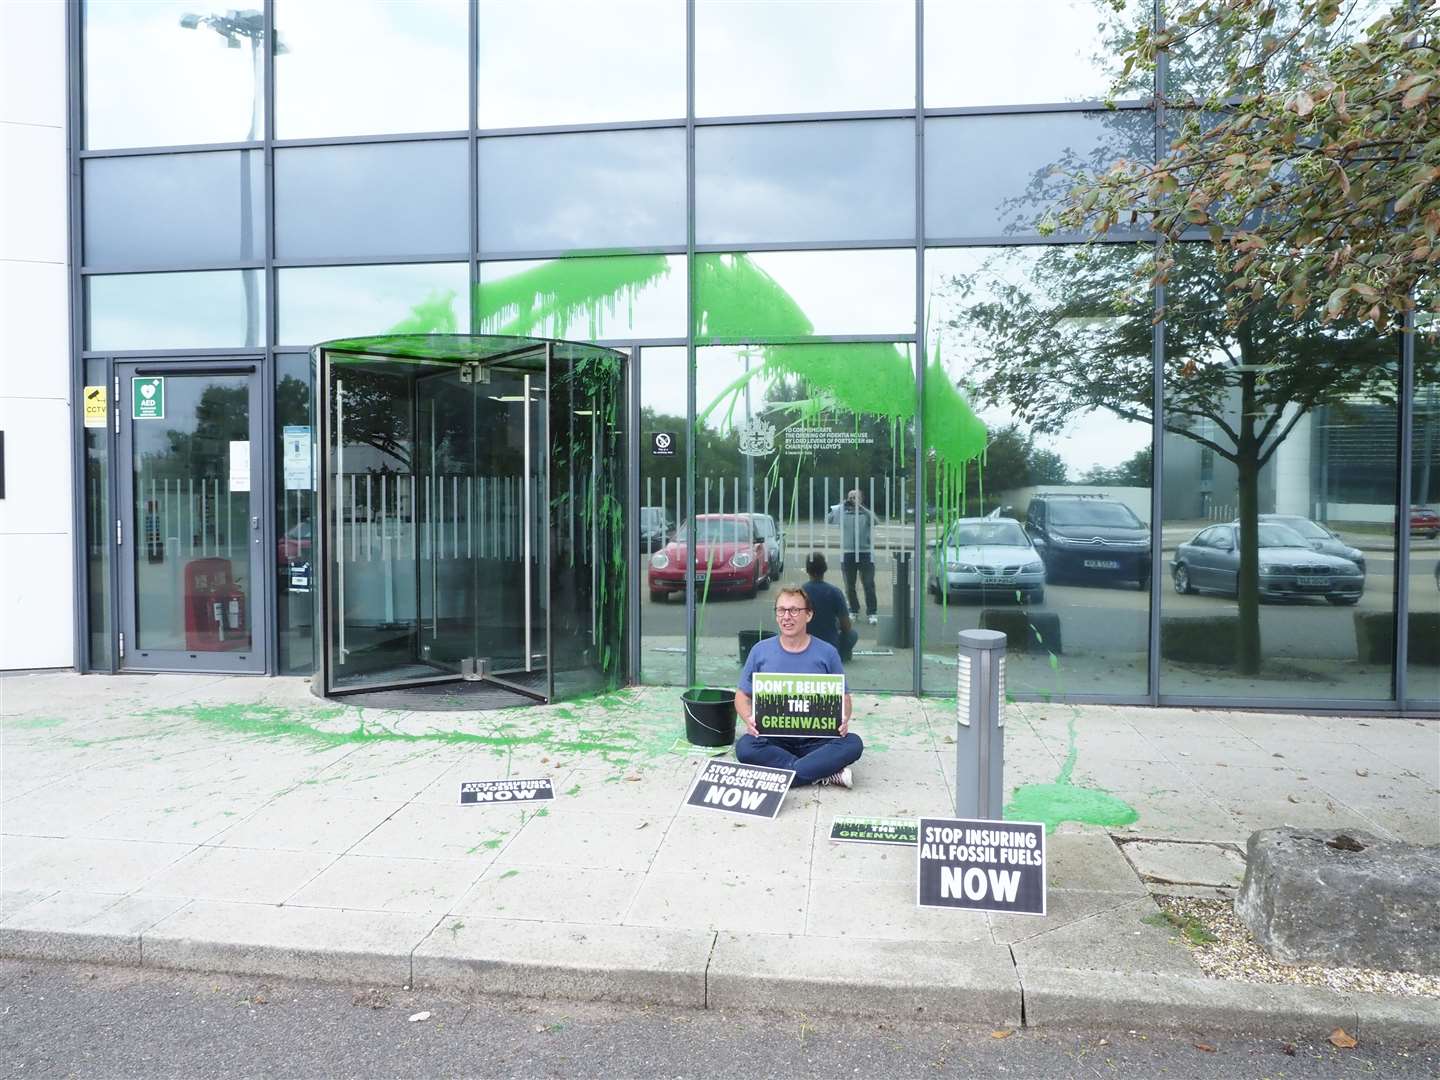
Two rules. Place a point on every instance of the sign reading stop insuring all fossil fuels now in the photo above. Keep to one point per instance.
(981, 865)
(748, 790)
(798, 706)
(490, 792)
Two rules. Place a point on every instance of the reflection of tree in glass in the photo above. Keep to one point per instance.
(1078, 335)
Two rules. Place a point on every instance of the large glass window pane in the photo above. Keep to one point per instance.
(778, 295)
(1038, 414)
(156, 74)
(1028, 51)
(321, 303)
(596, 298)
(784, 434)
(370, 67)
(383, 199)
(644, 69)
(1423, 670)
(755, 57)
(594, 190)
(663, 412)
(772, 183)
(1279, 501)
(294, 443)
(999, 175)
(174, 210)
(213, 309)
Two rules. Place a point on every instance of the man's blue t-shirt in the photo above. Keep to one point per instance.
(817, 658)
(828, 604)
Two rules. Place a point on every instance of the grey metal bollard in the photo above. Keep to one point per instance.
(980, 726)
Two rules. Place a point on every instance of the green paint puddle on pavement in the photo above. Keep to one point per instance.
(1067, 801)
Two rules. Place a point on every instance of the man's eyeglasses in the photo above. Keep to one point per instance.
(789, 612)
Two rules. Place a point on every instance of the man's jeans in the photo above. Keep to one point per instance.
(812, 759)
(849, 564)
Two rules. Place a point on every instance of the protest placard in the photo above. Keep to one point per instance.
(790, 706)
(981, 865)
(489, 792)
(874, 830)
(749, 790)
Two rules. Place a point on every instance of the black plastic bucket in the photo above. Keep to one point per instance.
(749, 639)
(709, 716)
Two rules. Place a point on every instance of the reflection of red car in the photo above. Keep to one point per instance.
(729, 557)
(1424, 522)
(295, 544)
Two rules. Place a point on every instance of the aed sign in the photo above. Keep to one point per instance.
(748, 790)
(981, 865)
(97, 406)
(489, 792)
(790, 706)
(149, 398)
(662, 443)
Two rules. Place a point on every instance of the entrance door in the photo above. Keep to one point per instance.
(189, 529)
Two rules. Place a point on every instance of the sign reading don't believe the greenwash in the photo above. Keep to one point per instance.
(787, 706)
(874, 830)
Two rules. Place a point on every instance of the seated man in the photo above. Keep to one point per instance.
(796, 652)
(831, 620)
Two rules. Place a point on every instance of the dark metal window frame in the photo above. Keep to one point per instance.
(473, 255)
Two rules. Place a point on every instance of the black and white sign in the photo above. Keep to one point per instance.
(506, 791)
(981, 865)
(874, 830)
(749, 790)
(662, 443)
(798, 706)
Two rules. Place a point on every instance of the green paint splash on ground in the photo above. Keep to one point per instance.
(1066, 801)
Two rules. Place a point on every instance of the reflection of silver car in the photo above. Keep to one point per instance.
(767, 530)
(1317, 536)
(1289, 567)
(980, 555)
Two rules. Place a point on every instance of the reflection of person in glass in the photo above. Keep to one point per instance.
(796, 652)
(857, 550)
(830, 619)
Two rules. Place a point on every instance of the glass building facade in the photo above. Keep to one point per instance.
(816, 229)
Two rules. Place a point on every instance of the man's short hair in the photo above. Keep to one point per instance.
(791, 590)
(816, 563)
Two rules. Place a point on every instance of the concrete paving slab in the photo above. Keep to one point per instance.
(243, 875)
(721, 900)
(97, 928)
(1089, 860)
(1311, 811)
(419, 886)
(304, 943)
(655, 791)
(699, 840)
(427, 831)
(559, 960)
(1064, 907)
(97, 865)
(178, 818)
(307, 820)
(886, 910)
(1200, 749)
(1395, 1018)
(1165, 862)
(1180, 816)
(13, 901)
(1115, 939)
(550, 894)
(973, 984)
(589, 840)
(832, 860)
(444, 787)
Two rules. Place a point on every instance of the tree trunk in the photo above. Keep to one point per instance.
(1247, 467)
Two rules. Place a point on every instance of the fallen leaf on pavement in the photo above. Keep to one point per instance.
(1339, 1037)
(1288, 1049)
(1204, 1046)
(1002, 1033)
(415, 1018)
(1362, 772)
(1292, 798)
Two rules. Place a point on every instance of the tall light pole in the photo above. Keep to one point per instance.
(233, 26)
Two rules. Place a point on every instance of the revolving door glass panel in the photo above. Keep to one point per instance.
(462, 481)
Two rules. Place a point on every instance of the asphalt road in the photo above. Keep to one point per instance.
(78, 1021)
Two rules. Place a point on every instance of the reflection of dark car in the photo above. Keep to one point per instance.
(655, 528)
(987, 555)
(729, 557)
(1089, 539)
(1317, 536)
(1424, 522)
(1289, 567)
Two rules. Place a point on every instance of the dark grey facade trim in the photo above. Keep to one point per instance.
(1403, 483)
(80, 546)
(918, 553)
(690, 288)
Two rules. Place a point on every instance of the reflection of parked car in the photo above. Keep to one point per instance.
(1317, 536)
(768, 531)
(728, 555)
(1089, 539)
(655, 528)
(295, 544)
(1289, 567)
(1424, 522)
(980, 555)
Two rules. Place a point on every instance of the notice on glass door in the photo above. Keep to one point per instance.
(240, 466)
(296, 458)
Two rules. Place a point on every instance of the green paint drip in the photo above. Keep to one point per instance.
(547, 299)
(1066, 801)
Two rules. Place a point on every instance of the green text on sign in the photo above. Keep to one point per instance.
(149, 399)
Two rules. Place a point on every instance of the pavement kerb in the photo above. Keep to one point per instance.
(970, 984)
